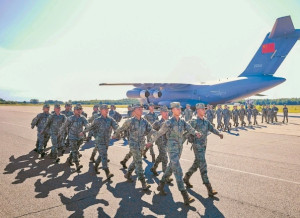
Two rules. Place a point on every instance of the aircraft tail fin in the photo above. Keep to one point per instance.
(275, 47)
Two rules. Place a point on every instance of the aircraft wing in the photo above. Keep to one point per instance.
(259, 95)
(150, 85)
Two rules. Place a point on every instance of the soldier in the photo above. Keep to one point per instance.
(285, 114)
(40, 121)
(188, 113)
(174, 129)
(227, 115)
(249, 114)
(242, 113)
(95, 115)
(210, 114)
(254, 113)
(115, 114)
(138, 128)
(274, 113)
(101, 128)
(161, 142)
(95, 110)
(151, 117)
(235, 116)
(74, 126)
(129, 112)
(199, 146)
(219, 113)
(264, 113)
(54, 122)
(269, 114)
(82, 112)
(67, 112)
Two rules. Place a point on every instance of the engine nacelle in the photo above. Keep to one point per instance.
(137, 93)
(157, 94)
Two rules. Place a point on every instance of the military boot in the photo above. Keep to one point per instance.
(128, 176)
(210, 191)
(92, 158)
(144, 153)
(186, 198)
(78, 166)
(145, 185)
(160, 188)
(169, 180)
(69, 161)
(96, 167)
(108, 174)
(186, 180)
(123, 163)
(153, 158)
(153, 170)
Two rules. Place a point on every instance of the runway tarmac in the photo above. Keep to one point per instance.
(255, 170)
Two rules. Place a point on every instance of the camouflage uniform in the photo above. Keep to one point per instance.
(74, 126)
(227, 115)
(188, 114)
(101, 128)
(242, 113)
(255, 113)
(40, 121)
(210, 115)
(161, 143)
(235, 117)
(151, 118)
(285, 114)
(269, 110)
(199, 146)
(67, 113)
(274, 113)
(137, 129)
(54, 123)
(219, 113)
(95, 115)
(264, 114)
(174, 131)
(249, 115)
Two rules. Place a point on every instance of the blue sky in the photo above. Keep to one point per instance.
(64, 49)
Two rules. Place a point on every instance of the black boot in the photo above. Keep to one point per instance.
(186, 180)
(108, 174)
(96, 168)
(69, 161)
(123, 163)
(160, 188)
(128, 176)
(186, 198)
(210, 191)
(153, 158)
(78, 166)
(153, 170)
(145, 185)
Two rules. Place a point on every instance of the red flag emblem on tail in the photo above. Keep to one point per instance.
(268, 48)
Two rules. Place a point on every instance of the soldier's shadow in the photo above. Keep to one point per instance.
(30, 166)
(210, 209)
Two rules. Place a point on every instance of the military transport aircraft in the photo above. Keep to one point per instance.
(257, 77)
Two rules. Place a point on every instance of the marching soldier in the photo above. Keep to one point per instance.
(138, 128)
(161, 142)
(74, 126)
(285, 114)
(54, 122)
(249, 114)
(269, 114)
(227, 115)
(174, 128)
(67, 112)
(210, 114)
(151, 117)
(235, 116)
(188, 113)
(199, 146)
(242, 113)
(254, 113)
(40, 121)
(101, 128)
(274, 113)
(264, 114)
(219, 113)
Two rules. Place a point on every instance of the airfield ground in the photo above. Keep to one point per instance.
(255, 170)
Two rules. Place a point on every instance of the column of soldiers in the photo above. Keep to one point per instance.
(169, 134)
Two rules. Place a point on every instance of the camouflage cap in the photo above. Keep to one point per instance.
(96, 106)
(103, 106)
(151, 104)
(175, 105)
(164, 108)
(46, 106)
(200, 106)
(57, 106)
(68, 104)
(135, 106)
(78, 107)
(187, 105)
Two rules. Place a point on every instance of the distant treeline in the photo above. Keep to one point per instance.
(279, 101)
(127, 101)
(124, 101)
